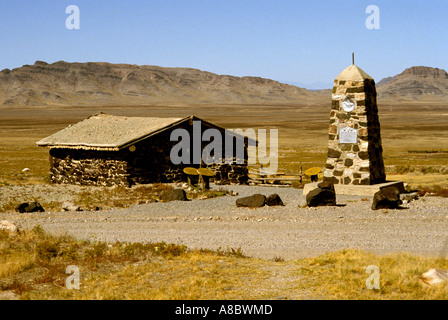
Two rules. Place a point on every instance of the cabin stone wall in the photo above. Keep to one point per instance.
(147, 161)
(83, 167)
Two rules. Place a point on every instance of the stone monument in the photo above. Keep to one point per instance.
(354, 164)
(355, 153)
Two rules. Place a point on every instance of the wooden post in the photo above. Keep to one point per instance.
(201, 181)
(205, 182)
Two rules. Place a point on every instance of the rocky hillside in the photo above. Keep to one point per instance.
(415, 83)
(99, 83)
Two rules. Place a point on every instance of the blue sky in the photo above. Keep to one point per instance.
(285, 40)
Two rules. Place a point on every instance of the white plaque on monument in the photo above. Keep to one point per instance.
(348, 135)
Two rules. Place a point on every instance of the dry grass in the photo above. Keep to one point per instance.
(434, 190)
(416, 181)
(119, 197)
(342, 275)
(193, 276)
(14, 159)
(33, 266)
(100, 198)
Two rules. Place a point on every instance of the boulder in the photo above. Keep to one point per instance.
(326, 186)
(274, 200)
(254, 201)
(8, 295)
(29, 207)
(174, 195)
(409, 196)
(323, 195)
(8, 226)
(387, 198)
(70, 206)
(434, 276)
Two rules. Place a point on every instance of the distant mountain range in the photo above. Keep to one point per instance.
(100, 83)
(415, 83)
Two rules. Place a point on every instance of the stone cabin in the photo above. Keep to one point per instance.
(109, 150)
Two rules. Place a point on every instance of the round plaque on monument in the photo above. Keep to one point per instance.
(348, 105)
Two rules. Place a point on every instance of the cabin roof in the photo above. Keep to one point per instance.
(109, 132)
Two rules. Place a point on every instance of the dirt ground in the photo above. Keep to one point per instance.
(290, 232)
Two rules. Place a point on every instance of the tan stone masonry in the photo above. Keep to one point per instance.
(355, 153)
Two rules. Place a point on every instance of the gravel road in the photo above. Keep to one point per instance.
(289, 232)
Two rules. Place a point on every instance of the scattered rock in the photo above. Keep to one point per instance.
(387, 198)
(408, 196)
(254, 201)
(8, 295)
(173, 195)
(434, 276)
(29, 207)
(274, 200)
(326, 186)
(323, 195)
(26, 170)
(8, 226)
(70, 206)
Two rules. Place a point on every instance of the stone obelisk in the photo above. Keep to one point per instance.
(355, 153)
